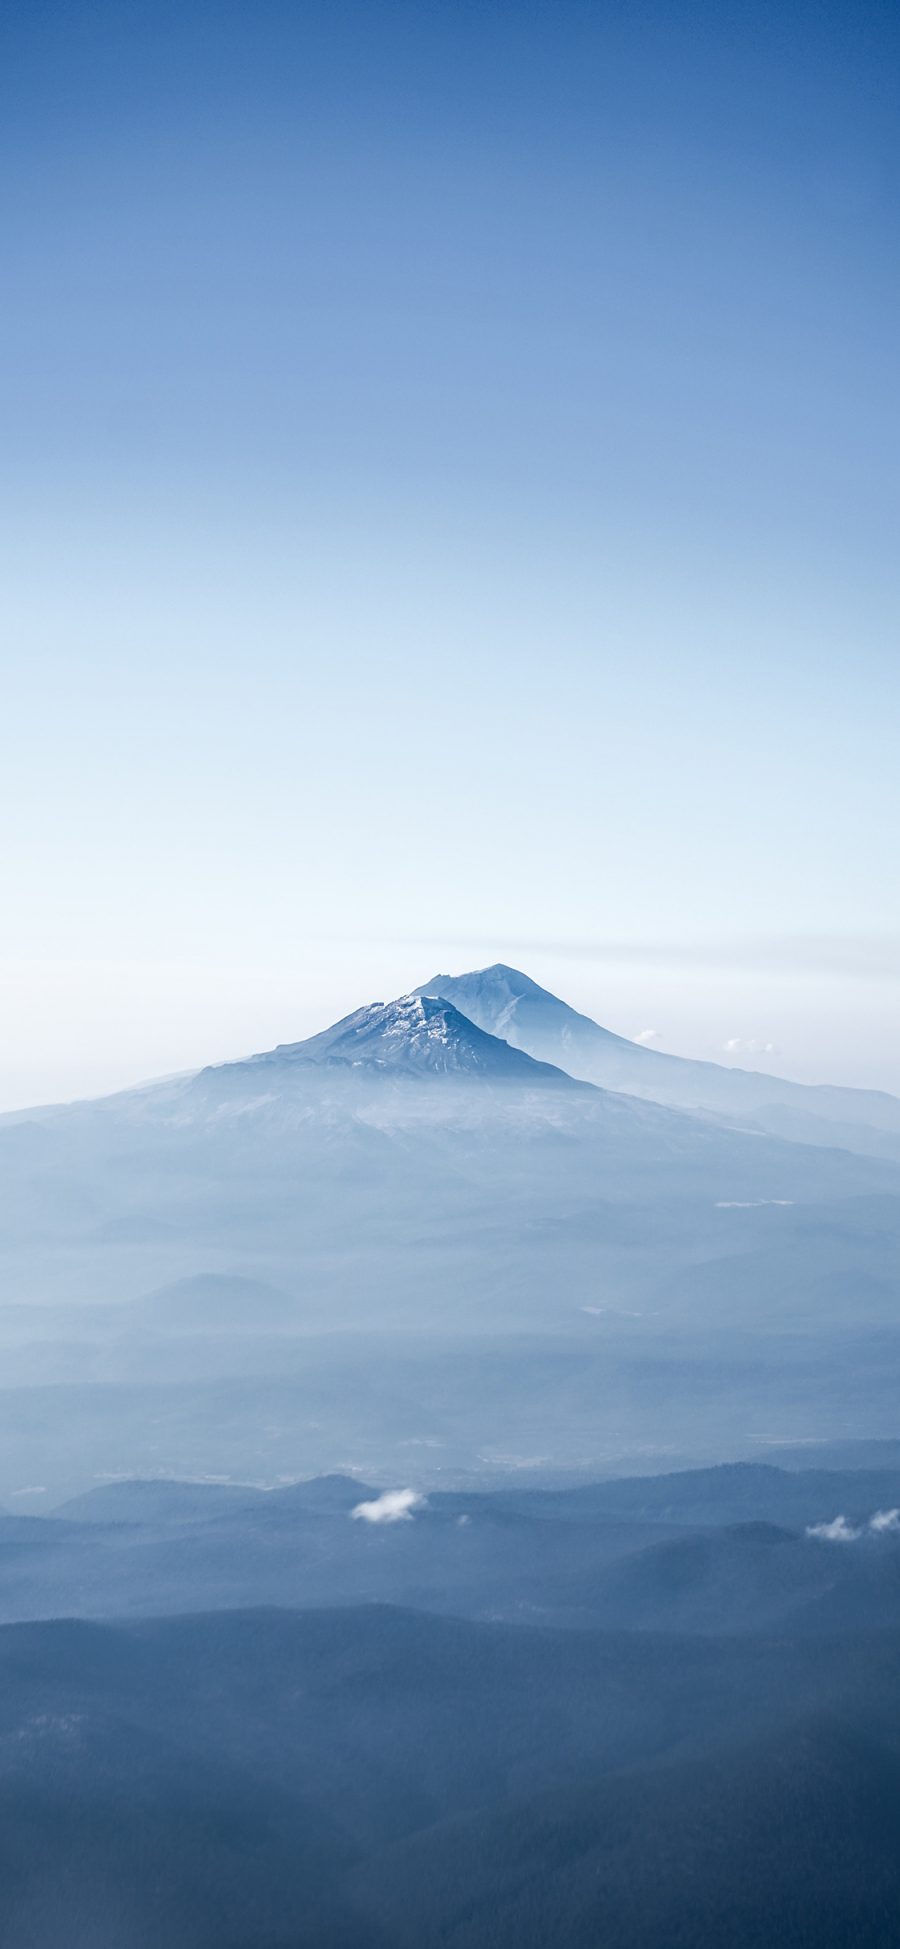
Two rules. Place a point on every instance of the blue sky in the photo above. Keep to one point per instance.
(449, 494)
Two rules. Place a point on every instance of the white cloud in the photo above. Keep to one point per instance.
(885, 1522)
(394, 1506)
(749, 1204)
(647, 1035)
(752, 1046)
(838, 1531)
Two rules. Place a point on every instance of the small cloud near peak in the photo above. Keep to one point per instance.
(838, 1531)
(394, 1506)
(885, 1522)
(647, 1036)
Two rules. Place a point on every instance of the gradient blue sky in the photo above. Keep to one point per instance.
(449, 474)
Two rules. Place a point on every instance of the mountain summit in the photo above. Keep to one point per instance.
(420, 1034)
(505, 1002)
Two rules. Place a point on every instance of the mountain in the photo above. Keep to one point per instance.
(408, 1174)
(355, 1076)
(506, 1003)
(335, 1107)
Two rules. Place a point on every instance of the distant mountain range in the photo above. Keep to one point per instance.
(699, 1745)
(714, 1550)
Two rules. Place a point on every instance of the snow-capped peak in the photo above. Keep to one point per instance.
(418, 1033)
